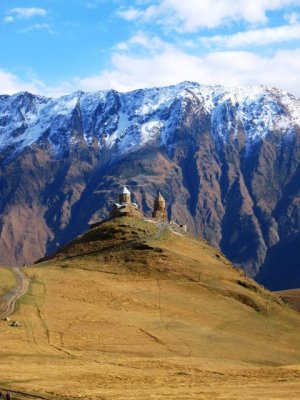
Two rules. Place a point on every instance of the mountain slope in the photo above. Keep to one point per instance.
(281, 267)
(226, 159)
(291, 297)
(141, 310)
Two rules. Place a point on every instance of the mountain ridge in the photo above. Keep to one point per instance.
(150, 100)
(226, 160)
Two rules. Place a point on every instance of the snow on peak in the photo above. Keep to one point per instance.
(127, 121)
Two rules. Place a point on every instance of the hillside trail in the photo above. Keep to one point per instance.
(11, 297)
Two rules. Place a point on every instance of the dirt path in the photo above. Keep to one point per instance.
(18, 395)
(13, 295)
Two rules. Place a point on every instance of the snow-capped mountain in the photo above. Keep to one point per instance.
(227, 160)
(128, 121)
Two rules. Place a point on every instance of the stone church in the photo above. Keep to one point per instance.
(159, 211)
(125, 208)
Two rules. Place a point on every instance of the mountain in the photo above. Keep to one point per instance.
(141, 310)
(225, 159)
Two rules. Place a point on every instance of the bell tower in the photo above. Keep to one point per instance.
(124, 197)
(125, 208)
(159, 211)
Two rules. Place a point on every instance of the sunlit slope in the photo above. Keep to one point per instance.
(180, 286)
(291, 297)
(133, 309)
(7, 282)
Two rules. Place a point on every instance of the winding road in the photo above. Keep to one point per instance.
(11, 297)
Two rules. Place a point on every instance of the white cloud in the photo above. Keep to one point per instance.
(28, 12)
(171, 66)
(255, 37)
(164, 64)
(35, 27)
(11, 83)
(24, 13)
(130, 14)
(292, 18)
(191, 15)
(93, 4)
(141, 40)
(9, 19)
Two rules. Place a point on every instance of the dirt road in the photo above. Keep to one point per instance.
(13, 295)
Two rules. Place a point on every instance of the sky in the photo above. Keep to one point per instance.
(56, 47)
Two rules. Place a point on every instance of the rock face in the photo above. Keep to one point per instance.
(225, 159)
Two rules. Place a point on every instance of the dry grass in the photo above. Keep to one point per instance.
(133, 311)
(7, 281)
(291, 297)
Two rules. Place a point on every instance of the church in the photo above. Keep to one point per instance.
(125, 208)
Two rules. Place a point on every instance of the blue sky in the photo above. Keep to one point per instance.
(54, 47)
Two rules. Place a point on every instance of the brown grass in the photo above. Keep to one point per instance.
(7, 281)
(141, 312)
(291, 297)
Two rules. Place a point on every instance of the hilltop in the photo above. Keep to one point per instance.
(225, 158)
(140, 309)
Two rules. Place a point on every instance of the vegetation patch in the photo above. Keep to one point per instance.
(247, 285)
(7, 281)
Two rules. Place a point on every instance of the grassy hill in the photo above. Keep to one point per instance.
(138, 310)
(7, 282)
(291, 297)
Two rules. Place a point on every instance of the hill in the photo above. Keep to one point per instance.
(225, 159)
(139, 310)
(291, 297)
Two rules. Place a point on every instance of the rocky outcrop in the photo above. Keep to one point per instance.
(226, 161)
